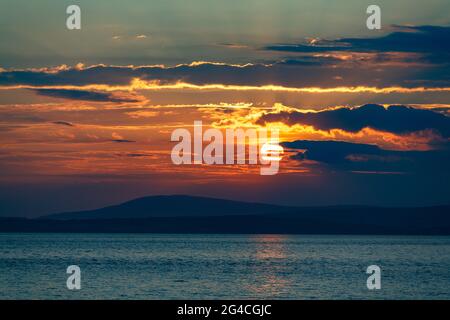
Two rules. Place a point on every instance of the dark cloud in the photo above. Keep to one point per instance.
(64, 123)
(305, 48)
(134, 155)
(395, 119)
(302, 71)
(309, 61)
(427, 45)
(433, 39)
(233, 45)
(365, 157)
(94, 75)
(84, 95)
(199, 74)
(414, 45)
(122, 141)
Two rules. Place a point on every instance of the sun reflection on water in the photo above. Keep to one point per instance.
(269, 267)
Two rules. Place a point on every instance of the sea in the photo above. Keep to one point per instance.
(206, 266)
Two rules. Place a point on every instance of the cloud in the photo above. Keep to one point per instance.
(427, 48)
(142, 114)
(369, 158)
(395, 119)
(122, 141)
(233, 45)
(318, 60)
(433, 39)
(327, 70)
(410, 57)
(119, 139)
(134, 155)
(86, 95)
(64, 123)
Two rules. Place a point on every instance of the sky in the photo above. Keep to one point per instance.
(86, 115)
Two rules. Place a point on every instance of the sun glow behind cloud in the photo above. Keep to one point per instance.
(110, 118)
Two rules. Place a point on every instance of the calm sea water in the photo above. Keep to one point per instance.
(154, 266)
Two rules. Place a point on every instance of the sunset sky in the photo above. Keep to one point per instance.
(86, 115)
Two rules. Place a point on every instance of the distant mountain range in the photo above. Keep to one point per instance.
(188, 214)
(173, 206)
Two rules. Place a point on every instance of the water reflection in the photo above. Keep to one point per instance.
(269, 266)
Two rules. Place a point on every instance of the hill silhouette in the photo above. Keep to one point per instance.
(173, 206)
(188, 214)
